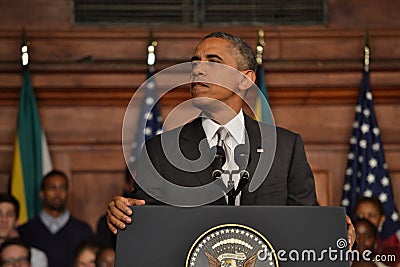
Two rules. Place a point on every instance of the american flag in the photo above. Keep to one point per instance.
(150, 120)
(367, 173)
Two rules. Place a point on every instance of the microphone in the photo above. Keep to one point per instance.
(241, 156)
(219, 161)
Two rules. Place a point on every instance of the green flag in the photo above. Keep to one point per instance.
(31, 155)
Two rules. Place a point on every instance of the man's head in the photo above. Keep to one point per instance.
(223, 68)
(370, 209)
(239, 49)
(14, 252)
(9, 212)
(54, 191)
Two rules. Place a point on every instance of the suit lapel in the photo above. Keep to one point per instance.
(190, 138)
(254, 138)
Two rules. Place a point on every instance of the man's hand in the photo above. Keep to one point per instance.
(119, 212)
(351, 232)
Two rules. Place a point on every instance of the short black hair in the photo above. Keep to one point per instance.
(376, 202)
(5, 197)
(246, 58)
(51, 174)
(17, 242)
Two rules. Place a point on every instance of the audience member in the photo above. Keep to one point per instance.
(366, 236)
(54, 230)
(372, 210)
(14, 252)
(9, 212)
(85, 254)
(105, 257)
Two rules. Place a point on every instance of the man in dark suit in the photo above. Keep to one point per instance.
(277, 165)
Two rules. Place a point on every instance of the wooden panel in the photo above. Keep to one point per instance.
(91, 192)
(333, 124)
(360, 13)
(4, 181)
(33, 14)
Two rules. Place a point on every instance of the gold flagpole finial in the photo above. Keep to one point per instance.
(366, 50)
(24, 49)
(260, 47)
(151, 50)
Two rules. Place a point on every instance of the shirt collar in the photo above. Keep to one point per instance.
(54, 224)
(235, 127)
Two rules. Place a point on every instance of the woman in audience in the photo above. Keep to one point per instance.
(85, 255)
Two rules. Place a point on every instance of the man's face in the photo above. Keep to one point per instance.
(8, 219)
(15, 255)
(55, 193)
(207, 78)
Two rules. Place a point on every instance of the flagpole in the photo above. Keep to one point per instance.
(151, 52)
(149, 121)
(24, 49)
(366, 51)
(260, 47)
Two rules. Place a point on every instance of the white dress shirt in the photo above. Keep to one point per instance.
(236, 136)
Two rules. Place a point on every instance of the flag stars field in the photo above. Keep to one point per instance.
(371, 178)
(395, 217)
(366, 112)
(385, 181)
(373, 163)
(364, 128)
(363, 144)
(383, 197)
(347, 187)
(376, 147)
(368, 193)
(353, 140)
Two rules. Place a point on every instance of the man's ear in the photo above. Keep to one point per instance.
(41, 195)
(247, 80)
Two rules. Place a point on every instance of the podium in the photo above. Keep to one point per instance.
(249, 236)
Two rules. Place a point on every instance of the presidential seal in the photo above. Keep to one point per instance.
(231, 245)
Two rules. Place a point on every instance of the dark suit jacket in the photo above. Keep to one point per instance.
(288, 181)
